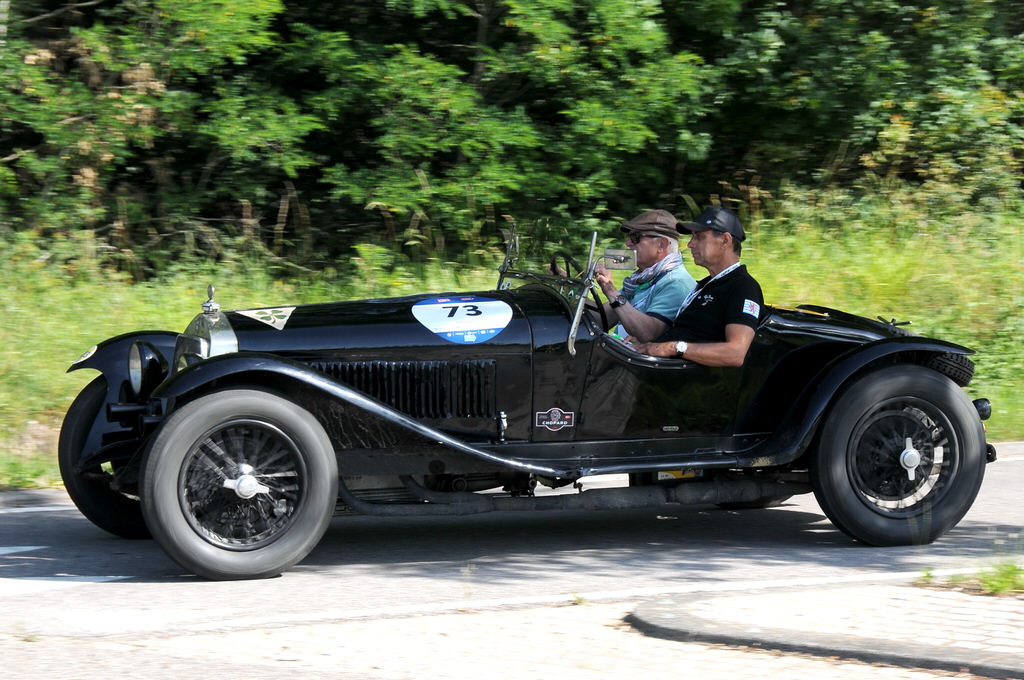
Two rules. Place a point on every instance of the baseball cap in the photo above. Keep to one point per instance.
(656, 221)
(717, 218)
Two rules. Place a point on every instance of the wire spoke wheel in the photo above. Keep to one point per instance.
(900, 457)
(242, 483)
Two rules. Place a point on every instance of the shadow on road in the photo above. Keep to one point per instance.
(686, 540)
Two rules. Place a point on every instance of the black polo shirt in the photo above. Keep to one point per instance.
(732, 298)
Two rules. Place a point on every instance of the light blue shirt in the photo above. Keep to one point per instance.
(662, 297)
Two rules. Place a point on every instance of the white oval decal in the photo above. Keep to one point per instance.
(465, 319)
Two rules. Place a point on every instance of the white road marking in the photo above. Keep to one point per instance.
(12, 549)
(12, 587)
(17, 587)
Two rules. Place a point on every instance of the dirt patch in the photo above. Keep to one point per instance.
(28, 459)
(36, 440)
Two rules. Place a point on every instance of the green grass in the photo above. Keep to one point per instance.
(1004, 578)
(961, 280)
(965, 286)
(55, 312)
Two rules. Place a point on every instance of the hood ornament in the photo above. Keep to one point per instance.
(210, 307)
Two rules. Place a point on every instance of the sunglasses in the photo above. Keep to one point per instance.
(635, 238)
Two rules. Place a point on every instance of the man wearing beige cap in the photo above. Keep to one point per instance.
(646, 306)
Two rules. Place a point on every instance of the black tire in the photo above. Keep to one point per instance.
(284, 485)
(956, 367)
(887, 416)
(89, 489)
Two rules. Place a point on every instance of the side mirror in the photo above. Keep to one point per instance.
(620, 258)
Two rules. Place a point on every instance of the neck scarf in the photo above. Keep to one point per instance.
(639, 277)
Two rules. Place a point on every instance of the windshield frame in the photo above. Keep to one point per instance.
(574, 289)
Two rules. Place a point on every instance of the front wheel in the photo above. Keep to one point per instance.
(239, 484)
(91, 489)
(900, 458)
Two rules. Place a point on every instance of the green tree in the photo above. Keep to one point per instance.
(106, 110)
(820, 89)
(298, 126)
(531, 106)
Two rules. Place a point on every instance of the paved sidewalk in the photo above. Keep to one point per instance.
(900, 625)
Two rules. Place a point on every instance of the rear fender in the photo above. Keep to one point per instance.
(798, 428)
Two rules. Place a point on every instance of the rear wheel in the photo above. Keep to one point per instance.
(900, 458)
(90, 488)
(239, 484)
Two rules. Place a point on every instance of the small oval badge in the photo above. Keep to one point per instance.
(85, 355)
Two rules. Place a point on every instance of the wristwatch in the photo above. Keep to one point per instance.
(681, 348)
(619, 301)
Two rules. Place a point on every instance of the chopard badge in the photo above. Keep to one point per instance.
(555, 419)
(275, 316)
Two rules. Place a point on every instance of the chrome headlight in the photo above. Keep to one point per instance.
(210, 334)
(147, 368)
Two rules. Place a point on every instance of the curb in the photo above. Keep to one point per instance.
(673, 618)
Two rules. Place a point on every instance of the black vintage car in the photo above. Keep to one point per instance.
(234, 443)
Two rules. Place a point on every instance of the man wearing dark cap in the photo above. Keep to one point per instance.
(715, 324)
(650, 297)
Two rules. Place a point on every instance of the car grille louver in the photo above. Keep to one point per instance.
(422, 389)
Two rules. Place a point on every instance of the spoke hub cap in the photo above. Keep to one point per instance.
(910, 459)
(245, 485)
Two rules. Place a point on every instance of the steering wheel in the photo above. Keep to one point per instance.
(571, 265)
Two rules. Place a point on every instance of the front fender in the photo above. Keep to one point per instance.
(110, 357)
(797, 429)
(320, 392)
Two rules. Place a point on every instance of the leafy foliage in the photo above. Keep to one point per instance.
(296, 125)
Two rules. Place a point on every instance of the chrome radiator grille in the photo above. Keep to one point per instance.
(422, 389)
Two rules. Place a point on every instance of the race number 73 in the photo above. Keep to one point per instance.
(466, 320)
(467, 310)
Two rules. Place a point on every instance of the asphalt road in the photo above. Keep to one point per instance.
(62, 578)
